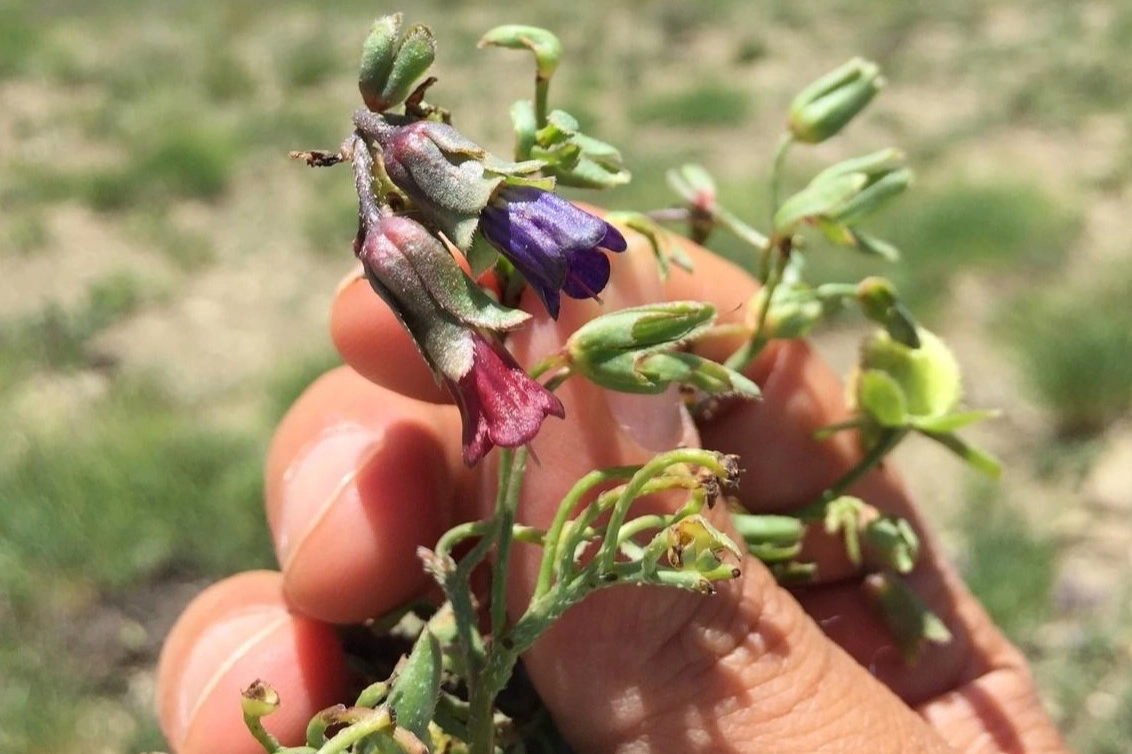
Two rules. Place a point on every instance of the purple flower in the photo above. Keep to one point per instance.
(554, 244)
(416, 275)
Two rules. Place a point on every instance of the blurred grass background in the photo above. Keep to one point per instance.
(166, 272)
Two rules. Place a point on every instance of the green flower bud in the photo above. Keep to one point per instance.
(640, 329)
(392, 62)
(885, 178)
(545, 46)
(879, 302)
(637, 350)
(909, 619)
(825, 106)
(928, 377)
(890, 542)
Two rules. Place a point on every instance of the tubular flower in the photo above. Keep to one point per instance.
(442, 309)
(556, 246)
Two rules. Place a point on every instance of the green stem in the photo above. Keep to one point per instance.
(584, 486)
(255, 726)
(750, 350)
(705, 458)
(815, 509)
(347, 737)
(542, 90)
(512, 465)
(784, 143)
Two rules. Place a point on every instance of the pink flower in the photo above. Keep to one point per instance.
(500, 404)
(453, 323)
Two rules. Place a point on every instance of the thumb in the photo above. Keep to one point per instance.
(650, 669)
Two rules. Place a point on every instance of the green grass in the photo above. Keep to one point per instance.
(1073, 346)
(989, 228)
(1009, 567)
(192, 161)
(142, 487)
(58, 337)
(707, 104)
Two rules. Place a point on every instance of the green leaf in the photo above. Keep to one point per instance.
(952, 422)
(882, 398)
(482, 256)
(524, 123)
(818, 199)
(417, 685)
(873, 246)
(976, 457)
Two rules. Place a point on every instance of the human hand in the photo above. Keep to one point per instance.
(367, 466)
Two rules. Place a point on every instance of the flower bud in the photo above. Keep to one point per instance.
(909, 619)
(545, 45)
(392, 62)
(890, 542)
(640, 328)
(879, 302)
(825, 106)
(694, 184)
(637, 351)
(885, 178)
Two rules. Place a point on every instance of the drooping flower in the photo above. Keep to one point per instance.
(499, 402)
(557, 246)
(444, 311)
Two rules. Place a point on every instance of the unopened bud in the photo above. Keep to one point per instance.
(545, 46)
(891, 542)
(641, 328)
(825, 106)
(909, 619)
(694, 184)
(885, 178)
(880, 303)
(392, 62)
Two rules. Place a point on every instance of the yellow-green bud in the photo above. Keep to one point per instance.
(825, 106)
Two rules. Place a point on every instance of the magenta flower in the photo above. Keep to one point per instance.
(500, 404)
(556, 246)
(444, 312)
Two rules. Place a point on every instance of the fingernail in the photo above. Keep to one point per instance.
(655, 422)
(216, 651)
(318, 478)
